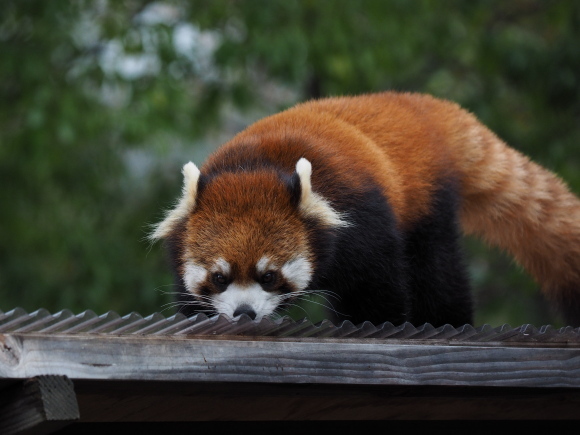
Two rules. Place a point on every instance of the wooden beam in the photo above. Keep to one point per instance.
(318, 361)
(156, 402)
(38, 405)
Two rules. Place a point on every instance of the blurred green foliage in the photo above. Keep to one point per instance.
(102, 102)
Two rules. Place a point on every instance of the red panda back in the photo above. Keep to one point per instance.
(384, 137)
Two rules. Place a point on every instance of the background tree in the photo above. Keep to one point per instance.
(102, 102)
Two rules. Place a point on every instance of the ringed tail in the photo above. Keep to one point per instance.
(515, 204)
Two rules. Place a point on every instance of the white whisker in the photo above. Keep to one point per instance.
(306, 295)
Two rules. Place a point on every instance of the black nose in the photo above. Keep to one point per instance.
(245, 309)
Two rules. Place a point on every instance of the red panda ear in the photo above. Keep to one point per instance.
(313, 205)
(185, 205)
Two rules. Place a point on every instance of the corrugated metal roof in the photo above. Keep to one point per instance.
(87, 322)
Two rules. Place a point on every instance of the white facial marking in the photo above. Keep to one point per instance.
(185, 205)
(312, 204)
(221, 266)
(264, 264)
(298, 271)
(193, 276)
(262, 302)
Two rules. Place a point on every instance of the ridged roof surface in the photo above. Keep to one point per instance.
(87, 322)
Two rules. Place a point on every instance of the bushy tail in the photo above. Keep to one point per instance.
(525, 209)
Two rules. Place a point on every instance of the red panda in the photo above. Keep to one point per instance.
(366, 197)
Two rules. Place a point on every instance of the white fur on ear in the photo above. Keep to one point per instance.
(312, 204)
(185, 205)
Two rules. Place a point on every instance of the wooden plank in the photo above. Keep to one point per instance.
(38, 405)
(320, 361)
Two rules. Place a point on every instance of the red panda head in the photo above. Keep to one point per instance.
(243, 244)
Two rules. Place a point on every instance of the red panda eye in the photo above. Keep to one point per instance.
(219, 279)
(268, 278)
